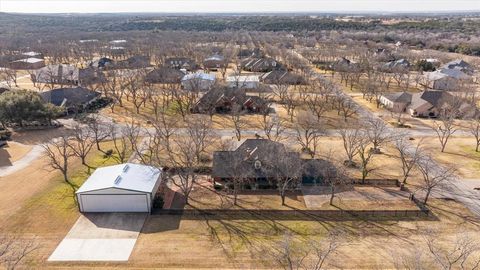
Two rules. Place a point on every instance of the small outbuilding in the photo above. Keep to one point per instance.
(120, 188)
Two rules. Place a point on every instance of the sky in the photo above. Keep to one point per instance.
(239, 6)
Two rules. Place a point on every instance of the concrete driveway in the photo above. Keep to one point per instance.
(100, 237)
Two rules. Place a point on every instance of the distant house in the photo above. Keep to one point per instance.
(198, 81)
(224, 100)
(263, 64)
(72, 99)
(181, 63)
(459, 65)
(214, 63)
(118, 41)
(68, 75)
(397, 64)
(6, 59)
(446, 79)
(28, 63)
(134, 62)
(247, 53)
(258, 162)
(246, 82)
(33, 55)
(282, 77)
(396, 102)
(57, 74)
(164, 75)
(102, 63)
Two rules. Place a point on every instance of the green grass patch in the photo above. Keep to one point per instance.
(55, 207)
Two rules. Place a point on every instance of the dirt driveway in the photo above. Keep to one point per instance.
(100, 237)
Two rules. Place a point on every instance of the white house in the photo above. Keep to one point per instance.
(198, 81)
(120, 188)
(247, 82)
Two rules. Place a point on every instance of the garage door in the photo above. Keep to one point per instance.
(114, 203)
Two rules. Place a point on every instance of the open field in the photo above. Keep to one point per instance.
(459, 153)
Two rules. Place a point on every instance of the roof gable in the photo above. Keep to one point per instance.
(126, 176)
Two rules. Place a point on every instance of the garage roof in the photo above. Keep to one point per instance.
(127, 176)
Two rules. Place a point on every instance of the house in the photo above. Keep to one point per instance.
(428, 103)
(198, 81)
(396, 102)
(263, 64)
(72, 99)
(6, 59)
(214, 63)
(459, 65)
(247, 82)
(134, 62)
(120, 188)
(58, 74)
(102, 63)
(397, 64)
(258, 162)
(247, 53)
(164, 75)
(224, 100)
(181, 63)
(68, 75)
(282, 77)
(32, 55)
(118, 41)
(343, 64)
(446, 79)
(28, 63)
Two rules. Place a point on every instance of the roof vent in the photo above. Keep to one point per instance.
(118, 179)
(257, 164)
(125, 169)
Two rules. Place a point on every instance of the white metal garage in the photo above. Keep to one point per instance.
(120, 188)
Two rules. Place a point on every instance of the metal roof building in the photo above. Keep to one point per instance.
(120, 188)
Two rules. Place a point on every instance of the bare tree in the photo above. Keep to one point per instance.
(462, 253)
(120, 142)
(309, 131)
(444, 130)
(292, 254)
(59, 153)
(82, 143)
(199, 129)
(345, 106)
(351, 142)
(97, 130)
(273, 127)
(13, 251)
(182, 163)
(365, 153)
(474, 129)
(238, 122)
(433, 176)
(319, 252)
(378, 133)
(287, 171)
(408, 155)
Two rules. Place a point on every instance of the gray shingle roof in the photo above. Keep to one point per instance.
(69, 97)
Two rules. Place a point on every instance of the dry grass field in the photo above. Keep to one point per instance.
(459, 153)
